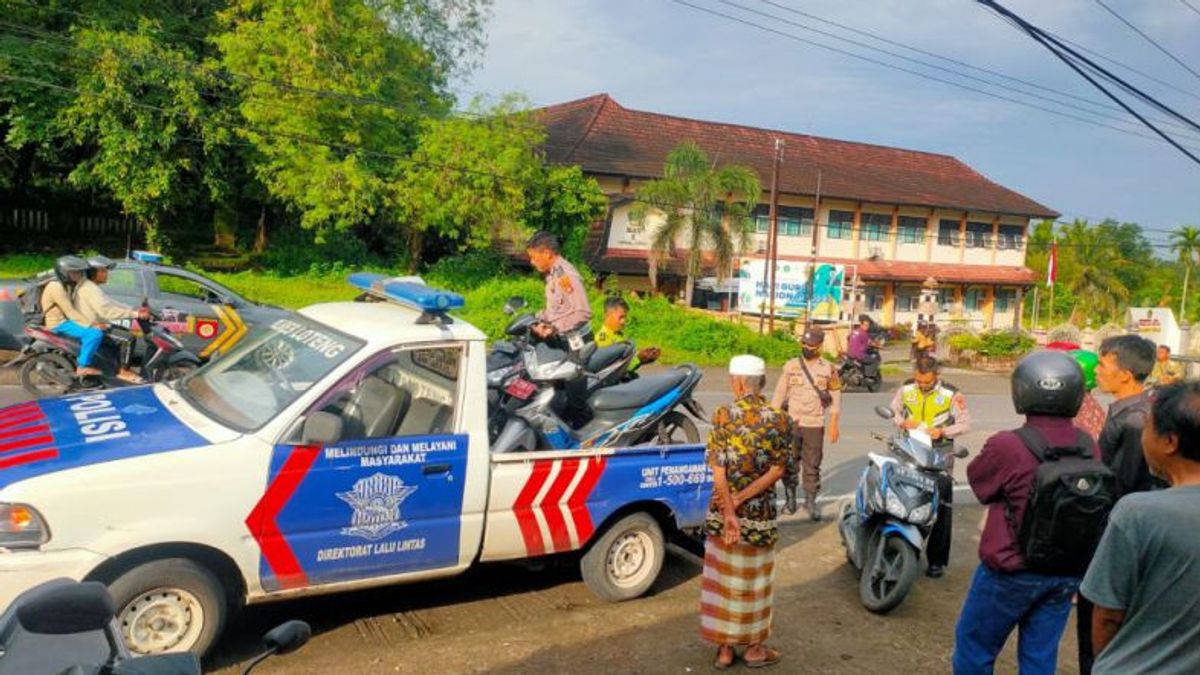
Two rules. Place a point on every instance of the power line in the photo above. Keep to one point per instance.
(1149, 39)
(868, 59)
(1058, 49)
(1125, 66)
(948, 59)
(1190, 6)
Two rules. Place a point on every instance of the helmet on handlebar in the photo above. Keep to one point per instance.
(1048, 383)
(1087, 361)
(64, 266)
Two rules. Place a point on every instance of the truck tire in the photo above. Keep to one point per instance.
(625, 560)
(169, 605)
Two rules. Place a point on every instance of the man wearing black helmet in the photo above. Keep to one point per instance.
(808, 388)
(100, 310)
(1021, 581)
(62, 317)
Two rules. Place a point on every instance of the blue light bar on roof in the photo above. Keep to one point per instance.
(409, 291)
(146, 257)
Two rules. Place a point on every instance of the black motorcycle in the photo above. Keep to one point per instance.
(866, 374)
(66, 627)
(48, 360)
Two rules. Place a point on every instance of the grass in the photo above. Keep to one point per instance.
(683, 335)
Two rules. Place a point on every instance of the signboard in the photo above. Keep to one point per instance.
(1156, 324)
(791, 288)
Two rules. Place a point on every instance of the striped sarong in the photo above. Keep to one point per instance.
(736, 593)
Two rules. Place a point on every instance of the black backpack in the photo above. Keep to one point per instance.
(1068, 506)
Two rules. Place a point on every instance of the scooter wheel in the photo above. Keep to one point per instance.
(873, 385)
(47, 374)
(888, 574)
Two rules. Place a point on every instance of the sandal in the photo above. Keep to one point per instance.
(131, 379)
(720, 665)
(773, 656)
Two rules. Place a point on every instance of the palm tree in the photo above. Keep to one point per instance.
(1094, 258)
(706, 206)
(1186, 242)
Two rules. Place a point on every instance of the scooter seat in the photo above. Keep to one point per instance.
(637, 393)
(606, 356)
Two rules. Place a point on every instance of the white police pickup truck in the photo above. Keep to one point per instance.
(340, 448)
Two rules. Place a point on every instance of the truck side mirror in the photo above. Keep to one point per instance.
(321, 428)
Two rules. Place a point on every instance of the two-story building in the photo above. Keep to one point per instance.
(897, 217)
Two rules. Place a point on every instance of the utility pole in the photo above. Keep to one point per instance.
(773, 234)
(812, 264)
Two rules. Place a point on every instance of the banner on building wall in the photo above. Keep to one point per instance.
(1156, 324)
(791, 288)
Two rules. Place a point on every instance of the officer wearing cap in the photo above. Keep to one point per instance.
(567, 314)
(808, 389)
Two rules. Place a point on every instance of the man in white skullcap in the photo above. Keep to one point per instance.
(747, 450)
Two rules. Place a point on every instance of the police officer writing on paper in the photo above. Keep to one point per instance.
(567, 315)
(808, 388)
(930, 405)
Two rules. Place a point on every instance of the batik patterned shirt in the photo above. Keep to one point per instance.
(747, 439)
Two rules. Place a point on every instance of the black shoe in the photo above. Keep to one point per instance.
(935, 571)
(789, 504)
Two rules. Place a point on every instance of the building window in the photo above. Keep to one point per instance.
(1012, 237)
(908, 299)
(876, 226)
(1006, 300)
(973, 300)
(945, 299)
(912, 230)
(948, 233)
(793, 221)
(979, 235)
(840, 224)
(874, 298)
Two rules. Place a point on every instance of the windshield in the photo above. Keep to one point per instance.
(268, 371)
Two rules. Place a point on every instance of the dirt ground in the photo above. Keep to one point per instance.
(509, 619)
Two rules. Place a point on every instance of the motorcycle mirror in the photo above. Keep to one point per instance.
(961, 452)
(514, 304)
(884, 412)
(287, 637)
(71, 608)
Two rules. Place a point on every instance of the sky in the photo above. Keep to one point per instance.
(662, 56)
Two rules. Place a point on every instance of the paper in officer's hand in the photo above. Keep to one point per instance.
(921, 435)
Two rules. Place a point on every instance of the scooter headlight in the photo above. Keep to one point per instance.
(21, 526)
(895, 506)
(921, 514)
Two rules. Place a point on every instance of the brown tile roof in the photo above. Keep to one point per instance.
(631, 261)
(605, 138)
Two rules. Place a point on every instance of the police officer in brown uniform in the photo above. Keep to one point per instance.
(567, 315)
(809, 388)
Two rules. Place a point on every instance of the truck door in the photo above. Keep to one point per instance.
(383, 495)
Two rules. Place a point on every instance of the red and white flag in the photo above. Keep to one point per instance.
(1052, 266)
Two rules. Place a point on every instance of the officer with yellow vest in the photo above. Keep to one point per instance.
(939, 409)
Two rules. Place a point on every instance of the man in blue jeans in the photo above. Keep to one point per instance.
(1048, 389)
(61, 317)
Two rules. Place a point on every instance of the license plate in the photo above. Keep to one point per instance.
(521, 389)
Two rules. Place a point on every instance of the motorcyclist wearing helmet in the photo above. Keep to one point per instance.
(1048, 389)
(100, 310)
(62, 317)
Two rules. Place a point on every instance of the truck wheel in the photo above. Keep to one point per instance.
(887, 575)
(171, 605)
(47, 374)
(625, 561)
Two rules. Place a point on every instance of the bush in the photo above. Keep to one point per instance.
(294, 251)
(901, 332)
(467, 271)
(995, 343)
(25, 264)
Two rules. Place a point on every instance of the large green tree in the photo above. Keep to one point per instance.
(704, 208)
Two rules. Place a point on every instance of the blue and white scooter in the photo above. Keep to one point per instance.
(884, 529)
